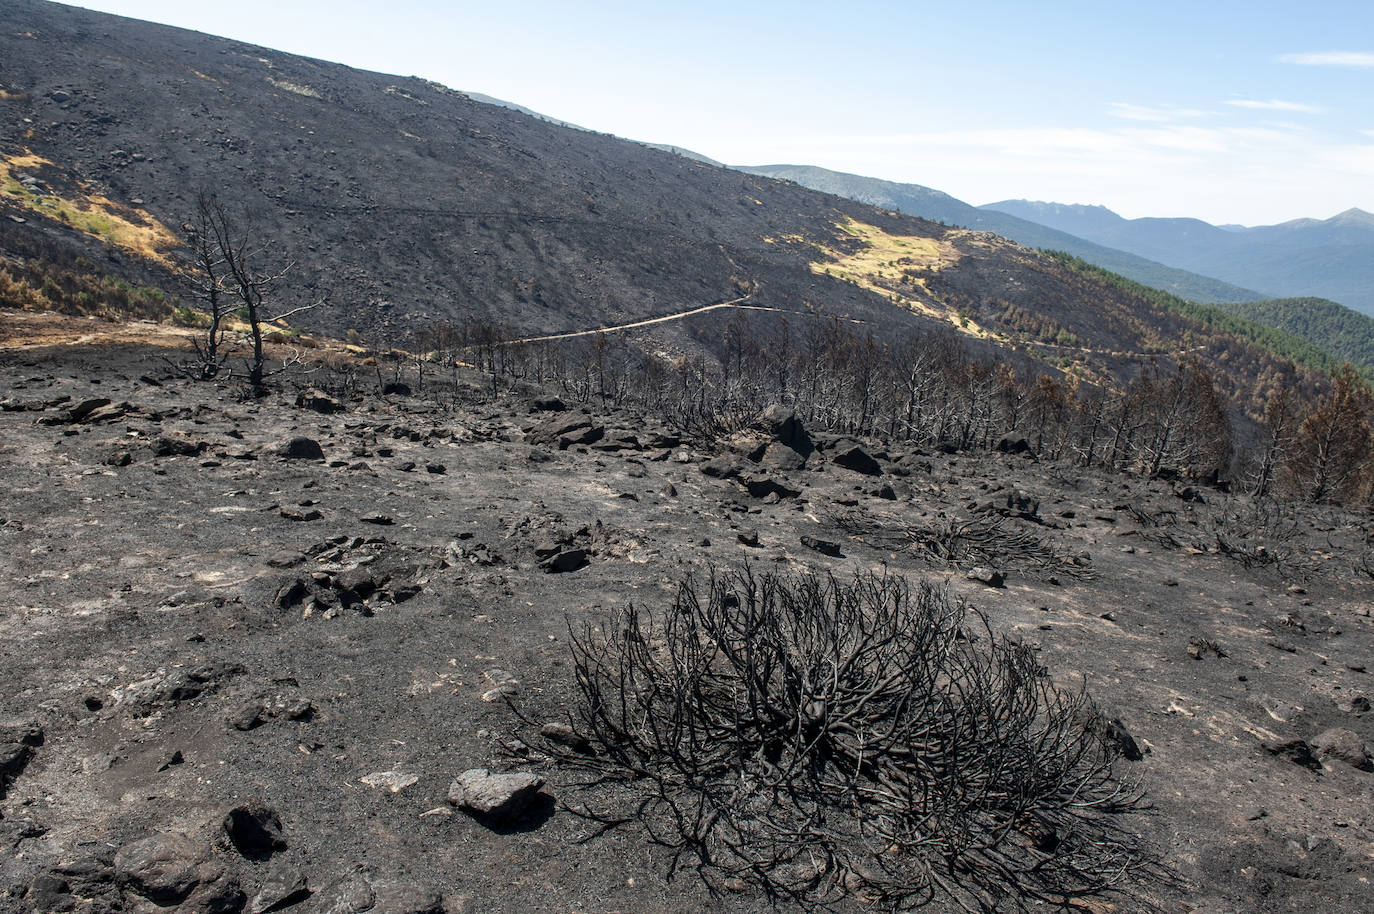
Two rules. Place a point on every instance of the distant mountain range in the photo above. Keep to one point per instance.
(1330, 258)
(927, 203)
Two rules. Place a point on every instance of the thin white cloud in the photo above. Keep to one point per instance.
(1331, 59)
(1273, 104)
(1155, 114)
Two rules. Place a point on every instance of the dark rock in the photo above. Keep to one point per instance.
(565, 735)
(381, 520)
(255, 829)
(1016, 445)
(1190, 494)
(722, 468)
(301, 448)
(566, 559)
(886, 492)
(824, 547)
(547, 405)
(248, 715)
(396, 389)
(1344, 745)
(436, 469)
(361, 581)
(359, 894)
(760, 486)
(49, 892)
(779, 456)
(286, 558)
(783, 426)
(494, 797)
(318, 401)
(165, 868)
(405, 898)
(748, 538)
(851, 456)
(166, 446)
(988, 576)
(291, 594)
(1116, 734)
(83, 409)
(1297, 751)
(565, 431)
(285, 885)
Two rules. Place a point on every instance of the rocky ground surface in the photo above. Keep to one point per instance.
(257, 653)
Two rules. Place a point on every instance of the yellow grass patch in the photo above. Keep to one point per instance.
(113, 223)
(892, 266)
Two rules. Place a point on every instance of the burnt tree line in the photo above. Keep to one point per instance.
(924, 388)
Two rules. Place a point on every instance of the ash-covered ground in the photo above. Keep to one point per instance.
(205, 621)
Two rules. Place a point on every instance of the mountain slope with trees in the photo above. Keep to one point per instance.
(1330, 258)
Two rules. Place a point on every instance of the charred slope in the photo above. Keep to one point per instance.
(410, 201)
(410, 204)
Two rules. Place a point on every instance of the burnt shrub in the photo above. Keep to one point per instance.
(870, 739)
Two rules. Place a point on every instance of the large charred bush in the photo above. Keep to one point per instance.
(866, 739)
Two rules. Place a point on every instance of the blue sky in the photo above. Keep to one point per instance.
(1252, 112)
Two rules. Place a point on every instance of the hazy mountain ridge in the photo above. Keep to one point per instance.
(929, 203)
(1328, 258)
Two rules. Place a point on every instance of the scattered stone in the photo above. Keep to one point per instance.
(1297, 751)
(295, 514)
(394, 781)
(853, 457)
(565, 431)
(167, 446)
(381, 520)
(167, 868)
(567, 558)
(436, 469)
(565, 735)
(247, 716)
(1344, 745)
(318, 401)
(291, 594)
(1255, 813)
(547, 405)
(255, 829)
(989, 576)
(824, 547)
(1117, 735)
(285, 885)
(286, 558)
(494, 797)
(782, 425)
(1015, 445)
(722, 468)
(748, 538)
(301, 448)
(778, 456)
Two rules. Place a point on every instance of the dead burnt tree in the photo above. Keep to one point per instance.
(205, 276)
(227, 258)
(865, 739)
